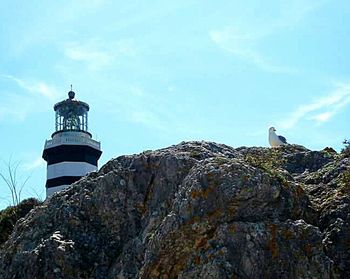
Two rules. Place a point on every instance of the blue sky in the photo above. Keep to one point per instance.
(161, 72)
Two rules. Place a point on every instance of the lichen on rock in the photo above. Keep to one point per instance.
(193, 210)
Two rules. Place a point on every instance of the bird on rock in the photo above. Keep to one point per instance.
(276, 140)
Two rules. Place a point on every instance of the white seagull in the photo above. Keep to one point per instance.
(276, 140)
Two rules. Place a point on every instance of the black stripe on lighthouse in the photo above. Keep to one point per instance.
(63, 180)
(71, 153)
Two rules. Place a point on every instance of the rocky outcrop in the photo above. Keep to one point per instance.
(10, 215)
(194, 210)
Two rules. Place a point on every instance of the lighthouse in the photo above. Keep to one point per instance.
(71, 152)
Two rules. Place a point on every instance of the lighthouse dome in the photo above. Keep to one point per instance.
(71, 94)
(71, 115)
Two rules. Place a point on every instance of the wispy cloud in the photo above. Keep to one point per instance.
(78, 9)
(322, 109)
(243, 41)
(94, 58)
(28, 97)
(153, 110)
(125, 47)
(294, 11)
(148, 118)
(36, 87)
(97, 54)
(12, 110)
(136, 107)
(35, 164)
(243, 46)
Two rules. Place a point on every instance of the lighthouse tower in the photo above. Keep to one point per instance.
(71, 153)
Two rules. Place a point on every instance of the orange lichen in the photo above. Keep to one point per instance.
(286, 184)
(299, 191)
(232, 207)
(308, 249)
(155, 271)
(201, 193)
(141, 208)
(232, 228)
(214, 214)
(287, 234)
(194, 220)
(245, 178)
(272, 243)
(201, 242)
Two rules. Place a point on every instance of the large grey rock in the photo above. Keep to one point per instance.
(194, 210)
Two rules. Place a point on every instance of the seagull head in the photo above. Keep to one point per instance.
(272, 129)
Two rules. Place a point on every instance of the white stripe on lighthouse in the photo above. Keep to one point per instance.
(69, 169)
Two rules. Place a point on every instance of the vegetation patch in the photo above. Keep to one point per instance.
(10, 215)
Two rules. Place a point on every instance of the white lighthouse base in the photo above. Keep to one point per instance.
(52, 190)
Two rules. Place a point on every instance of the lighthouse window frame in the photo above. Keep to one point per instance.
(71, 117)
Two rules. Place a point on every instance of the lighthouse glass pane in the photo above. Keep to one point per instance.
(71, 117)
(71, 122)
(56, 121)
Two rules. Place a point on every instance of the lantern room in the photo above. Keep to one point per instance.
(71, 115)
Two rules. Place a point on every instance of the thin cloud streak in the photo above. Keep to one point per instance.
(36, 88)
(97, 54)
(10, 112)
(138, 106)
(321, 110)
(33, 97)
(239, 39)
(238, 44)
(95, 59)
(37, 163)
